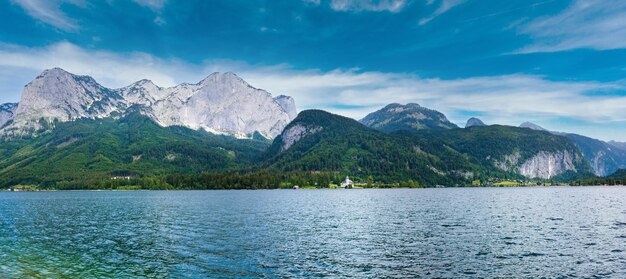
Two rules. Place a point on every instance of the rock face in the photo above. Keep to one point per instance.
(222, 103)
(296, 132)
(288, 104)
(57, 95)
(472, 122)
(604, 157)
(395, 117)
(544, 164)
(6, 112)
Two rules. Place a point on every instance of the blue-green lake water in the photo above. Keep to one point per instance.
(563, 232)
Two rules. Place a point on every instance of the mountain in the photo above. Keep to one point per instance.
(603, 157)
(397, 117)
(288, 104)
(499, 150)
(318, 141)
(6, 113)
(94, 151)
(474, 122)
(222, 103)
(525, 152)
(617, 144)
(532, 126)
(57, 95)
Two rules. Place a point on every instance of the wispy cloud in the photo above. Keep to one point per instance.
(49, 12)
(368, 5)
(111, 69)
(155, 5)
(507, 99)
(312, 2)
(444, 6)
(592, 24)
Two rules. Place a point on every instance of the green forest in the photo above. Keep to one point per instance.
(133, 152)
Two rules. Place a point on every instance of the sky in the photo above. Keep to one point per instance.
(560, 64)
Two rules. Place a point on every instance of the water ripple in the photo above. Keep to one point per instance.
(559, 232)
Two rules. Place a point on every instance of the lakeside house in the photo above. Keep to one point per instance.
(347, 184)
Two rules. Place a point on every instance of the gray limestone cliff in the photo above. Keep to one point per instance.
(222, 103)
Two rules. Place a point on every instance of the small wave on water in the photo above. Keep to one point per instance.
(449, 233)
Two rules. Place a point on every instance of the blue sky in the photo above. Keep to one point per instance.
(557, 63)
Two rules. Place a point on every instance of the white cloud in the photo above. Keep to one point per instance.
(111, 69)
(368, 5)
(509, 99)
(155, 5)
(444, 6)
(593, 24)
(49, 12)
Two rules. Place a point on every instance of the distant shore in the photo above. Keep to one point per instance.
(303, 188)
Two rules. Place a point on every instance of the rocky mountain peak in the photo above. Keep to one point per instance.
(222, 103)
(143, 83)
(59, 95)
(288, 104)
(474, 122)
(55, 72)
(223, 78)
(394, 117)
(143, 92)
(532, 126)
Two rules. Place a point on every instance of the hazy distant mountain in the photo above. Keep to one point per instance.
(6, 112)
(397, 117)
(474, 122)
(222, 103)
(603, 157)
(620, 145)
(532, 126)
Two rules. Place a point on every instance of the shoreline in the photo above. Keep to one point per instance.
(305, 189)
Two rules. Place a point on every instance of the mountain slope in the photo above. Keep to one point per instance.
(532, 126)
(526, 152)
(603, 157)
(317, 141)
(620, 145)
(397, 117)
(132, 145)
(222, 103)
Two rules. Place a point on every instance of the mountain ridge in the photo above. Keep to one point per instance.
(604, 157)
(396, 117)
(221, 103)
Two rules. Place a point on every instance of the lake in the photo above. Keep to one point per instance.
(454, 232)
